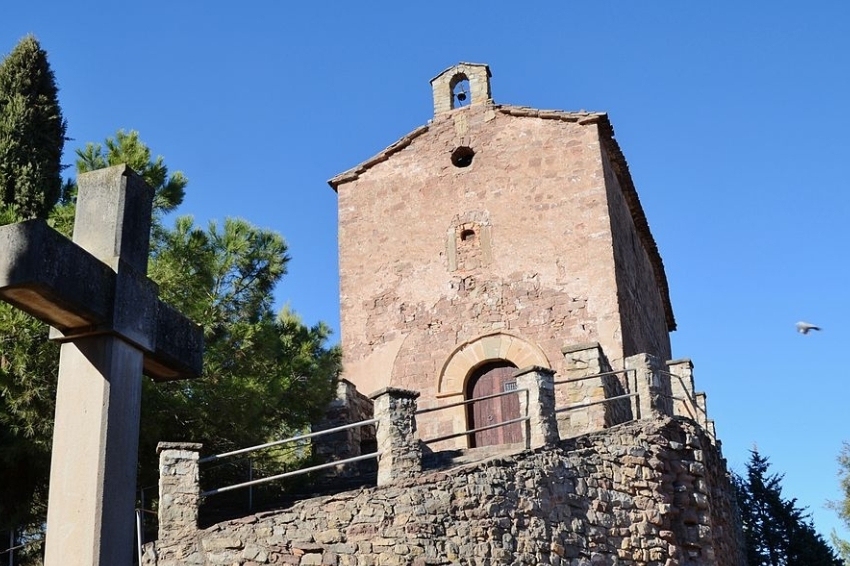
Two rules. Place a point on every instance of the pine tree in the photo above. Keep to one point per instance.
(843, 507)
(264, 375)
(32, 133)
(776, 531)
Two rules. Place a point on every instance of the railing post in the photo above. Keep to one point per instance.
(684, 368)
(349, 406)
(682, 386)
(538, 404)
(582, 360)
(707, 423)
(398, 443)
(179, 489)
(653, 389)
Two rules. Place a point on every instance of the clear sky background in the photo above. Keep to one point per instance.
(733, 117)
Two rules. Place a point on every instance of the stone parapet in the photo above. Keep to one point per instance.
(682, 388)
(348, 407)
(687, 402)
(538, 403)
(654, 397)
(179, 490)
(588, 380)
(179, 496)
(398, 442)
(645, 493)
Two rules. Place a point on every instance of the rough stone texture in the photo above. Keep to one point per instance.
(350, 406)
(652, 492)
(639, 300)
(479, 85)
(178, 502)
(652, 385)
(540, 239)
(537, 401)
(178, 484)
(686, 400)
(398, 443)
(589, 380)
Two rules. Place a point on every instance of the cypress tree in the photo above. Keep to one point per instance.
(32, 133)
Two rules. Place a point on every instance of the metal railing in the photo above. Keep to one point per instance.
(597, 402)
(253, 482)
(584, 404)
(696, 412)
(140, 534)
(594, 376)
(13, 547)
(478, 429)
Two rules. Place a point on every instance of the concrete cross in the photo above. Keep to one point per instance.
(96, 296)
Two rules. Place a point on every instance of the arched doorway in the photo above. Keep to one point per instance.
(488, 379)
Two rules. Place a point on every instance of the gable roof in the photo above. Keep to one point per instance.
(615, 155)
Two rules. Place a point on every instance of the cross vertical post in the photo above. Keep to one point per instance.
(95, 294)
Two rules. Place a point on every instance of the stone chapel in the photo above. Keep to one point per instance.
(496, 268)
(493, 238)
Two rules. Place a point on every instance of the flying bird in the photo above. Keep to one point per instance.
(804, 327)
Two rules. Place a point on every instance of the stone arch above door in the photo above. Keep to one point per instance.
(473, 353)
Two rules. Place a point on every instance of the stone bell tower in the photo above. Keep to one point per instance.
(494, 237)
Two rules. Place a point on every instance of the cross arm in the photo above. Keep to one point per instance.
(179, 348)
(58, 282)
(48, 276)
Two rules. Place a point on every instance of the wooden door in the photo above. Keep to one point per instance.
(488, 380)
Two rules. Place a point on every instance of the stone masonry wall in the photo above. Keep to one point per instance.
(642, 314)
(652, 492)
(348, 407)
(433, 256)
(575, 389)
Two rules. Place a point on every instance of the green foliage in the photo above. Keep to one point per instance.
(32, 136)
(843, 507)
(27, 390)
(32, 132)
(127, 148)
(264, 375)
(776, 531)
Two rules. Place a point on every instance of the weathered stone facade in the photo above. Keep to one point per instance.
(652, 492)
(508, 242)
(500, 222)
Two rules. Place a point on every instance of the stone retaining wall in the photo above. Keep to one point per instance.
(652, 492)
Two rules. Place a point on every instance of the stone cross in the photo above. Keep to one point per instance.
(101, 306)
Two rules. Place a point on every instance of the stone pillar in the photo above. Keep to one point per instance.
(179, 489)
(538, 402)
(682, 389)
(349, 406)
(706, 423)
(587, 394)
(692, 403)
(398, 442)
(653, 389)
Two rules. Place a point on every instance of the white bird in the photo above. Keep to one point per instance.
(804, 327)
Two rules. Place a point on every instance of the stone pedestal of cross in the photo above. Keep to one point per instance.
(96, 296)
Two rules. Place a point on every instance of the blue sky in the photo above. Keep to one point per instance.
(733, 117)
